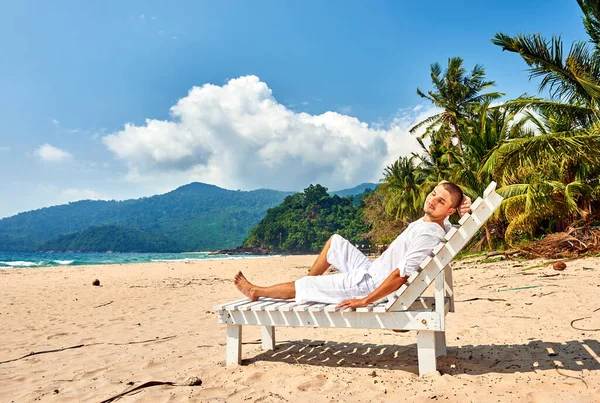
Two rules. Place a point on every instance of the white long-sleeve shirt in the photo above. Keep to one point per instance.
(408, 250)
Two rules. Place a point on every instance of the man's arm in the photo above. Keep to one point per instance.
(390, 284)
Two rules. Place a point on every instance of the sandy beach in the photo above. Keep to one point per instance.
(154, 322)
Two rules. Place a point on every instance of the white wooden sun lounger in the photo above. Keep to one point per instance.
(405, 309)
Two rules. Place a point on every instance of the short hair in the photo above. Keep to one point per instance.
(455, 192)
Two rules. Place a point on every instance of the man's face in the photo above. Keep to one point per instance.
(438, 204)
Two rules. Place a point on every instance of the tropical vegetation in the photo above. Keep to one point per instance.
(543, 151)
(304, 222)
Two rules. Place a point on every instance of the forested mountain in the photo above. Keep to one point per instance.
(194, 217)
(356, 190)
(112, 238)
(304, 221)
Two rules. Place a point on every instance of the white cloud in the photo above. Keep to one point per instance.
(142, 17)
(174, 37)
(238, 136)
(49, 153)
(4, 148)
(55, 122)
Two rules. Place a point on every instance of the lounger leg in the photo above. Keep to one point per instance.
(234, 344)
(426, 351)
(268, 337)
(440, 343)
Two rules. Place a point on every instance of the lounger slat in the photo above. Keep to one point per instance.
(303, 307)
(246, 307)
(401, 290)
(288, 307)
(233, 306)
(464, 218)
(451, 233)
(425, 262)
(476, 204)
(261, 307)
(317, 307)
(488, 190)
(438, 248)
(276, 305)
(413, 276)
(368, 308)
(222, 306)
(331, 308)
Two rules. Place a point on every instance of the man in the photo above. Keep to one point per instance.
(360, 281)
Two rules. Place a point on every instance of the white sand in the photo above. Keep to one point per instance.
(497, 350)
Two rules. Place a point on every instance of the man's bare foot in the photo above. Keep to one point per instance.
(244, 286)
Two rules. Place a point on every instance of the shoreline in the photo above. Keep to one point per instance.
(45, 260)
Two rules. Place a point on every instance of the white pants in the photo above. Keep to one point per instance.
(353, 281)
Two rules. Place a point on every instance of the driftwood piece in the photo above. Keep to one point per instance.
(48, 351)
(585, 317)
(143, 341)
(482, 299)
(137, 388)
(85, 345)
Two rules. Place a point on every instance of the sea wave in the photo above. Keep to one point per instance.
(63, 262)
(20, 263)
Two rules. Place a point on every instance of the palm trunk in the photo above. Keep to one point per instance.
(488, 237)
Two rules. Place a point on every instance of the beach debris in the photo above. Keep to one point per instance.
(574, 377)
(107, 303)
(142, 386)
(585, 317)
(559, 266)
(481, 299)
(96, 282)
(48, 351)
(519, 288)
(373, 374)
(572, 243)
(192, 381)
(144, 341)
(551, 352)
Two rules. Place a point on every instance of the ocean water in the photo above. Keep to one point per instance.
(38, 259)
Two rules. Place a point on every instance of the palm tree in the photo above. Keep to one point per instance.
(457, 94)
(556, 186)
(401, 187)
(573, 83)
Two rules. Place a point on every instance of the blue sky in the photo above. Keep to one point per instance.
(97, 98)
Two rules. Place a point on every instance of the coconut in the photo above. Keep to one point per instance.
(559, 266)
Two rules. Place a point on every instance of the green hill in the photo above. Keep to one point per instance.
(304, 222)
(195, 216)
(356, 190)
(112, 238)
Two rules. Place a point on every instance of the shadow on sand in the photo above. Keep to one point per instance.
(469, 359)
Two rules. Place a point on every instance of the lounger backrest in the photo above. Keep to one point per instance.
(453, 242)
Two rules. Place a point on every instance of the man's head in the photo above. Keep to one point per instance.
(443, 201)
